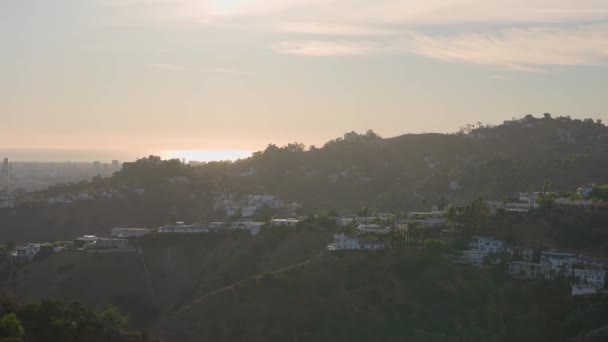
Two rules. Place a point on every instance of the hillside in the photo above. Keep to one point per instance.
(170, 272)
(396, 296)
(405, 173)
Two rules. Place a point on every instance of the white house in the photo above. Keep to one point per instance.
(347, 242)
(346, 221)
(24, 253)
(585, 191)
(474, 257)
(249, 210)
(129, 232)
(487, 244)
(373, 229)
(525, 270)
(253, 227)
(481, 247)
(181, 228)
(105, 243)
(216, 226)
(557, 264)
(594, 278)
(289, 222)
(519, 253)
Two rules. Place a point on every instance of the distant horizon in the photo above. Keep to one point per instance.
(33, 155)
(60, 155)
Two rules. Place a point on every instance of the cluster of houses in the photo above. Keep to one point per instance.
(587, 274)
(381, 224)
(530, 200)
(247, 206)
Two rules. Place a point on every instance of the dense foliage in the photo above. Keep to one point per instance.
(56, 321)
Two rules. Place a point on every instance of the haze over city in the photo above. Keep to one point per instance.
(150, 76)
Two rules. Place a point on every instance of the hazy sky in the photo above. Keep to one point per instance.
(157, 75)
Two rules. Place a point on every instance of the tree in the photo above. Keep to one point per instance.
(364, 212)
(10, 246)
(476, 216)
(547, 185)
(547, 116)
(11, 329)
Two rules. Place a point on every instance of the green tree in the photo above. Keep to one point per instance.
(11, 329)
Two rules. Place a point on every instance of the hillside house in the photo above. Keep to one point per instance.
(129, 232)
(80, 242)
(525, 270)
(593, 278)
(373, 229)
(474, 257)
(253, 227)
(347, 242)
(585, 191)
(24, 254)
(487, 244)
(181, 228)
(217, 226)
(558, 264)
(288, 222)
(519, 253)
(106, 243)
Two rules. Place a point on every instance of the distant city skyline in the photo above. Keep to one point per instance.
(235, 75)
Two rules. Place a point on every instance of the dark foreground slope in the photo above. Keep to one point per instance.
(170, 272)
(396, 296)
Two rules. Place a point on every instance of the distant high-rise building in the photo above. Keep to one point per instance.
(5, 173)
(115, 164)
(96, 164)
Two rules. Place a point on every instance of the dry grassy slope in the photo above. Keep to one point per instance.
(298, 304)
(92, 279)
(180, 268)
(184, 268)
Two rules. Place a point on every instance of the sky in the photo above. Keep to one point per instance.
(174, 76)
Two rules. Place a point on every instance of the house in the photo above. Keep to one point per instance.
(181, 228)
(557, 264)
(289, 222)
(371, 244)
(249, 210)
(129, 232)
(23, 254)
(253, 227)
(373, 229)
(216, 226)
(386, 217)
(473, 257)
(590, 277)
(525, 270)
(519, 253)
(346, 221)
(487, 244)
(481, 248)
(585, 191)
(588, 281)
(80, 242)
(105, 243)
(348, 242)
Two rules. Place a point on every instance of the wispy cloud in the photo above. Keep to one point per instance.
(229, 71)
(501, 78)
(166, 67)
(320, 48)
(529, 50)
(521, 35)
(334, 29)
